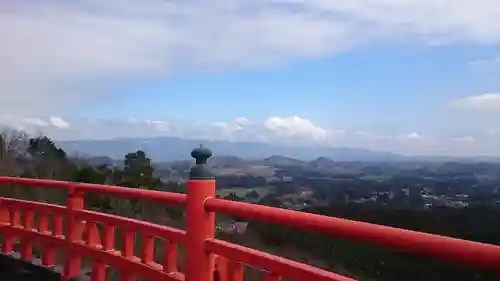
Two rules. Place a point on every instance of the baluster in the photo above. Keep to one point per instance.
(234, 271)
(57, 225)
(169, 256)
(15, 220)
(147, 249)
(73, 233)
(98, 271)
(8, 238)
(128, 253)
(48, 250)
(108, 237)
(92, 239)
(220, 273)
(127, 243)
(43, 222)
(4, 213)
(92, 235)
(26, 241)
(108, 244)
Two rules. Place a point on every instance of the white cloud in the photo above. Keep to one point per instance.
(58, 122)
(413, 136)
(273, 128)
(159, 125)
(464, 139)
(53, 52)
(337, 132)
(242, 121)
(371, 136)
(295, 126)
(283, 130)
(227, 130)
(485, 103)
(35, 121)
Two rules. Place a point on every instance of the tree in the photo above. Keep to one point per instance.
(93, 175)
(13, 146)
(138, 171)
(43, 147)
(49, 161)
(90, 175)
(252, 195)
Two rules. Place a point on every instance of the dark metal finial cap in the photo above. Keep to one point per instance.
(201, 169)
(201, 154)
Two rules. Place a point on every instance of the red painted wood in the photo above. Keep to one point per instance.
(271, 263)
(200, 226)
(169, 256)
(234, 271)
(74, 228)
(15, 216)
(8, 240)
(48, 250)
(80, 237)
(26, 242)
(472, 254)
(108, 237)
(43, 221)
(92, 234)
(147, 249)
(57, 227)
(98, 271)
(156, 196)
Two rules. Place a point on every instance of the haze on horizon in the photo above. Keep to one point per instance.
(405, 76)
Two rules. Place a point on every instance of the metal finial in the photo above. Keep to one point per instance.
(201, 169)
(201, 155)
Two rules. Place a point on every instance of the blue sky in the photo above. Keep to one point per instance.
(414, 77)
(347, 89)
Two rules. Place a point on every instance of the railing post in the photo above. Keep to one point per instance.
(199, 223)
(8, 239)
(73, 232)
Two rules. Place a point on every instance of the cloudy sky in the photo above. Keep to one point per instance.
(411, 76)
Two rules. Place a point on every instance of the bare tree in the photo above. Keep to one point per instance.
(13, 161)
(13, 152)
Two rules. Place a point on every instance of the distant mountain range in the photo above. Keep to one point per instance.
(166, 149)
(172, 148)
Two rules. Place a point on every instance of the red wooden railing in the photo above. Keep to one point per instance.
(80, 236)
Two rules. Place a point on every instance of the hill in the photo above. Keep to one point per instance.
(171, 148)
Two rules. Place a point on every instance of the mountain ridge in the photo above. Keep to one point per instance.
(162, 149)
(167, 149)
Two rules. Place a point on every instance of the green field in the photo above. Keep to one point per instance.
(240, 192)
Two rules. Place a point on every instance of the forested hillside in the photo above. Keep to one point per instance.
(39, 157)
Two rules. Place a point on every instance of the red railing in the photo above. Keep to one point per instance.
(74, 230)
